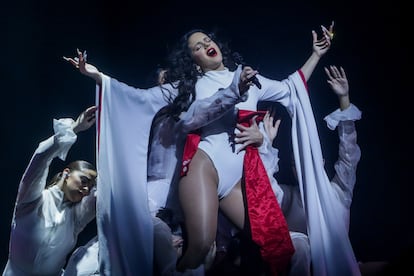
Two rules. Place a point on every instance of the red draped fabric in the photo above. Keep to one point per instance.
(268, 225)
(267, 222)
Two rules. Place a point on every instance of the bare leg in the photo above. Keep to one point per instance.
(199, 201)
(233, 206)
(250, 259)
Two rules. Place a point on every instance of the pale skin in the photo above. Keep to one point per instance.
(91, 71)
(339, 84)
(77, 184)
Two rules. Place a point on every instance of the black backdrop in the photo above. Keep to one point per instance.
(127, 39)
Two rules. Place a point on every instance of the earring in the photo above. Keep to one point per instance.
(198, 68)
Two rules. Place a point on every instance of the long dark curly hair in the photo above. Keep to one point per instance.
(182, 71)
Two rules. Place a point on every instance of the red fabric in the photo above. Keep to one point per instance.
(268, 225)
(302, 76)
(99, 116)
(190, 147)
(267, 222)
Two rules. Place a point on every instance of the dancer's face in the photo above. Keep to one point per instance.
(79, 184)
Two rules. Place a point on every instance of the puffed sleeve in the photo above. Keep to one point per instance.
(349, 152)
(34, 178)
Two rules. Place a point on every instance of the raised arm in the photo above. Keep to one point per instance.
(320, 47)
(85, 120)
(85, 68)
(349, 152)
(339, 84)
(34, 178)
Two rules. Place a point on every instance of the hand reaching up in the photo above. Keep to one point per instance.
(85, 120)
(271, 127)
(85, 68)
(339, 84)
(322, 45)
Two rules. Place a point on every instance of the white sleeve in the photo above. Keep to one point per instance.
(270, 159)
(352, 113)
(206, 110)
(34, 178)
(85, 211)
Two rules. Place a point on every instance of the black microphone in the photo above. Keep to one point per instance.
(239, 61)
(255, 80)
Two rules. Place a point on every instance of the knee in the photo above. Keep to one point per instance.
(202, 246)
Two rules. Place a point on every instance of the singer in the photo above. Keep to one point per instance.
(239, 61)
(198, 67)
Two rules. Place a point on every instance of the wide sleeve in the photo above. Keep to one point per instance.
(206, 110)
(349, 152)
(124, 222)
(278, 91)
(34, 178)
(332, 252)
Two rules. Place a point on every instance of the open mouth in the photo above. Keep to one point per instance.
(211, 52)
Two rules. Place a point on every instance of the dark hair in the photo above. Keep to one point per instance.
(167, 215)
(183, 71)
(78, 165)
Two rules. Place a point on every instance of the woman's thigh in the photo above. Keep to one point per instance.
(233, 206)
(198, 196)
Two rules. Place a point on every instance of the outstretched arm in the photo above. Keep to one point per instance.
(320, 48)
(34, 178)
(85, 68)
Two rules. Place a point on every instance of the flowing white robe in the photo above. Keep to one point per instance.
(45, 228)
(123, 217)
(125, 116)
(331, 249)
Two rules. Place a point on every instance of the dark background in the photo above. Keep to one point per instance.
(128, 39)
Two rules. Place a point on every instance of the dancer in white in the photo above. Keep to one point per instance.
(342, 184)
(48, 219)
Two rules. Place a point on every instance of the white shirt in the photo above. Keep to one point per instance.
(45, 228)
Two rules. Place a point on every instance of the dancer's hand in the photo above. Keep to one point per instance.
(249, 135)
(85, 120)
(271, 127)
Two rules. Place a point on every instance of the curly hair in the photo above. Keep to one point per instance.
(183, 73)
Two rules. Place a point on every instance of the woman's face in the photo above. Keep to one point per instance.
(205, 52)
(79, 184)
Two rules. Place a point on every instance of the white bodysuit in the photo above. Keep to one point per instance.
(44, 228)
(125, 117)
(217, 137)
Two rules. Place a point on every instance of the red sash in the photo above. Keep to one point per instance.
(267, 222)
(268, 225)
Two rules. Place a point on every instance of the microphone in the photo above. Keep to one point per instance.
(255, 80)
(239, 61)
